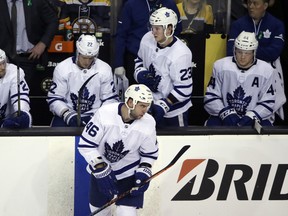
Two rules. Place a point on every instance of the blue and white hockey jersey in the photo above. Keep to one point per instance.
(9, 92)
(174, 65)
(122, 145)
(245, 90)
(68, 78)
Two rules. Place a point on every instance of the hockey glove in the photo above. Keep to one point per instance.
(70, 118)
(154, 87)
(119, 72)
(106, 180)
(229, 116)
(141, 175)
(248, 119)
(21, 121)
(160, 108)
(146, 77)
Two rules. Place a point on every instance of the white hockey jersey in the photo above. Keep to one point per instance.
(68, 78)
(124, 146)
(245, 90)
(174, 65)
(9, 92)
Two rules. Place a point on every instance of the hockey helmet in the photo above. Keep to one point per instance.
(246, 41)
(164, 17)
(2, 56)
(87, 45)
(139, 93)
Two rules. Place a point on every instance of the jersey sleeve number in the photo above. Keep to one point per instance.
(91, 129)
(186, 74)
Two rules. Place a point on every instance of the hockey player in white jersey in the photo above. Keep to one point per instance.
(81, 84)
(120, 146)
(164, 64)
(242, 88)
(14, 97)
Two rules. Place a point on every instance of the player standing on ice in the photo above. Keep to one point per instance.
(81, 84)
(14, 97)
(164, 64)
(119, 144)
(241, 88)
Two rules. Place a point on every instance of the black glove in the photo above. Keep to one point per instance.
(160, 108)
(70, 118)
(21, 121)
(149, 79)
(248, 119)
(106, 180)
(141, 175)
(229, 116)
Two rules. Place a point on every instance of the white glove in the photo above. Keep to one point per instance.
(120, 71)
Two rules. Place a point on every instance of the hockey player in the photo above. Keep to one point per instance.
(164, 64)
(270, 33)
(132, 25)
(119, 144)
(81, 84)
(13, 87)
(241, 88)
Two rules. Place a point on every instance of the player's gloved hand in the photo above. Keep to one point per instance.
(160, 108)
(248, 119)
(144, 76)
(70, 118)
(154, 86)
(229, 116)
(106, 180)
(120, 72)
(15, 121)
(141, 175)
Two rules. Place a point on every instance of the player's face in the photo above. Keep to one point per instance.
(158, 33)
(244, 58)
(256, 8)
(2, 69)
(85, 61)
(139, 110)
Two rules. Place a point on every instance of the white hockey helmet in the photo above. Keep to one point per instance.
(246, 41)
(139, 93)
(87, 45)
(2, 56)
(164, 17)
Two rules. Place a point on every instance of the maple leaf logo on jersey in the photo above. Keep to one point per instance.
(2, 111)
(239, 101)
(115, 153)
(86, 101)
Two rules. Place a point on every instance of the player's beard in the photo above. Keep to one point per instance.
(2, 73)
(133, 116)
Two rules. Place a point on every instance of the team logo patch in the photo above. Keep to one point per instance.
(116, 153)
(86, 101)
(239, 101)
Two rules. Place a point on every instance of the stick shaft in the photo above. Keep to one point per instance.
(114, 200)
(79, 99)
(18, 91)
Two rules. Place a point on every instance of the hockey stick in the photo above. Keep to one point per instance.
(79, 99)
(18, 90)
(114, 200)
(258, 127)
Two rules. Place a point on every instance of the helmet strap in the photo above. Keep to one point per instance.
(166, 36)
(130, 109)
